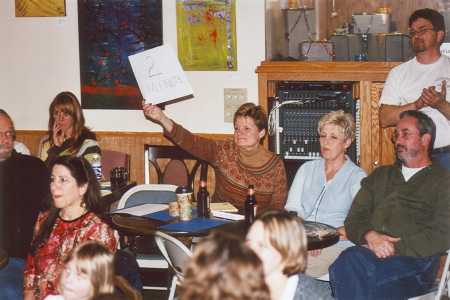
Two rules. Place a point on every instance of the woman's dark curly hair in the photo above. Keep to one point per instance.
(81, 170)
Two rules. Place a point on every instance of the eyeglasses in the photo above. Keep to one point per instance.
(405, 135)
(420, 32)
(7, 134)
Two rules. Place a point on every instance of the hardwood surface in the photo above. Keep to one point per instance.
(129, 142)
(368, 80)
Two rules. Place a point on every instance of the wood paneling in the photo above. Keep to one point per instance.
(128, 142)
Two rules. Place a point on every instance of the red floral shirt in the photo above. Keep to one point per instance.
(43, 269)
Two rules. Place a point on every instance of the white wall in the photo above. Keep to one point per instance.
(39, 58)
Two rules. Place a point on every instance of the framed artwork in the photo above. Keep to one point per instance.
(207, 35)
(110, 31)
(40, 8)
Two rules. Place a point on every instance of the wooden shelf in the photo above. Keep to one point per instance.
(368, 78)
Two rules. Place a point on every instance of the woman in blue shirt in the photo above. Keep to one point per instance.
(323, 189)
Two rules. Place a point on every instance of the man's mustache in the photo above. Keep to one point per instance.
(398, 147)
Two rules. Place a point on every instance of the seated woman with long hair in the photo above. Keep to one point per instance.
(73, 218)
(279, 239)
(67, 133)
(224, 268)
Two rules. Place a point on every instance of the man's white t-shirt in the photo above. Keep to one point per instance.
(405, 83)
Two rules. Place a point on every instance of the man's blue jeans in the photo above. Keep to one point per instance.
(11, 279)
(442, 158)
(359, 274)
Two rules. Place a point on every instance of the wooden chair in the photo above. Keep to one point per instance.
(171, 164)
(112, 159)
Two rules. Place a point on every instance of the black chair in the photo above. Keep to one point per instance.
(171, 164)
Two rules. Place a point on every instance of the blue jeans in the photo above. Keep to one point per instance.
(359, 274)
(442, 158)
(11, 279)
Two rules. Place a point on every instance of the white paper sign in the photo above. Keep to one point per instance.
(159, 75)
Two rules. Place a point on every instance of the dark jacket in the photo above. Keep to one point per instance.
(417, 211)
(24, 184)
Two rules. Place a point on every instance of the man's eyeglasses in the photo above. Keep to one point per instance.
(420, 32)
(7, 134)
(403, 135)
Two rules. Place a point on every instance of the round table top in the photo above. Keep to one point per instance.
(319, 235)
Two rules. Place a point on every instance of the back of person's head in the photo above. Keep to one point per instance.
(67, 103)
(254, 112)
(425, 125)
(90, 260)
(287, 235)
(82, 171)
(224, 268)
(431, 15)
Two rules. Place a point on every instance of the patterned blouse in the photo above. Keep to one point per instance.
(43, 269)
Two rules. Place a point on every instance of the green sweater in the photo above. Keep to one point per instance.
(417, 211)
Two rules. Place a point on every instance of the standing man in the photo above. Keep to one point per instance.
(24, 183)
(399, 220)
(422, 82)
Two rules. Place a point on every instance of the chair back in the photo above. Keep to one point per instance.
(174, 251)
(112, 159)
(148, 193)
(171, 164)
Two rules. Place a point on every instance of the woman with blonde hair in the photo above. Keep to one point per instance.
(224, 268)
(279, 239)
(238, 163)
(323, 189)
(67, 133)
(88, 272)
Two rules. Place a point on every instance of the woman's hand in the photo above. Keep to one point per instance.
(28, 295)
(58, 135)
(155, 114)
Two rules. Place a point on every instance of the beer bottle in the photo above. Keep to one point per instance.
(203, 201)
(250, 205)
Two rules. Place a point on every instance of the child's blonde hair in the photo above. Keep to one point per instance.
(97, 262)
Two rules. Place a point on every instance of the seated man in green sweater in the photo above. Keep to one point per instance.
(399, 220)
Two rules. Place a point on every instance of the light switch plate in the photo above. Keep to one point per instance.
(233, 98)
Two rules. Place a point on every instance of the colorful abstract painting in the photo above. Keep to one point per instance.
(40, 8)
(207, 35)
(110, 31)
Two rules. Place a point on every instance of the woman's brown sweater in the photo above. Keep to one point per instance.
(236, 169)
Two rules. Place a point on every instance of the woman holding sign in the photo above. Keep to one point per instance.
(238, 162)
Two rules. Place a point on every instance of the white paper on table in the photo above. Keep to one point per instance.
(143, 209)
(159, 75)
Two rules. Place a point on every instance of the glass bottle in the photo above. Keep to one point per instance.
(203, 200)
(96, 164)
(250, 205)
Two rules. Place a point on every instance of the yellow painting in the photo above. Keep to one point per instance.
(40, 8)
(207, 35)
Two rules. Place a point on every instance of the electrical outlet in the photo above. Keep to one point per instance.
(232, 99)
